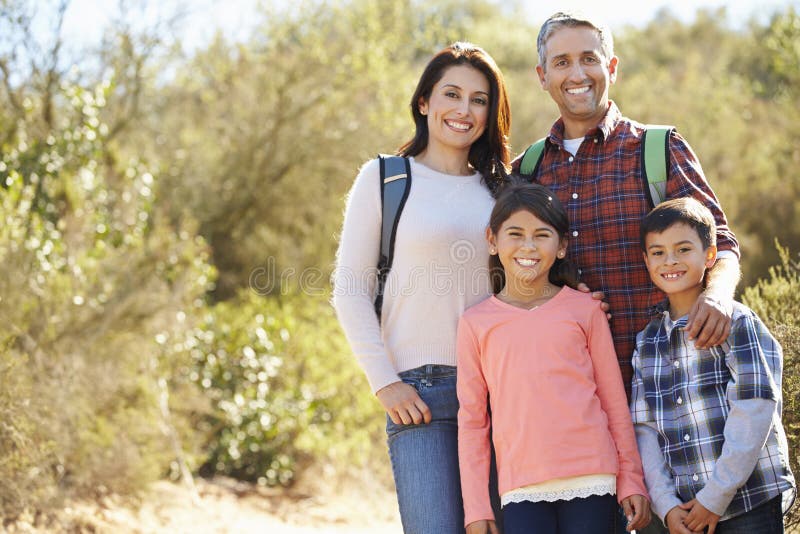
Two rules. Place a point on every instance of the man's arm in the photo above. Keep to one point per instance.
(709, 321)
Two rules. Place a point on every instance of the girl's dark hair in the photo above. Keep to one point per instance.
(490, 154)
(541, 202)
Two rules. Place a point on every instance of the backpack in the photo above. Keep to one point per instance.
(395, 186)
(655, 161)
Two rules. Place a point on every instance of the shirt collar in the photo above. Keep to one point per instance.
(600, 132)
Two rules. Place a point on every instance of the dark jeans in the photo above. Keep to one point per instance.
(590, 515)
(766, 518)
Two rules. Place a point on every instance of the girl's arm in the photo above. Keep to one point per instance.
(473, 427)
(630, 479)
(355, 280)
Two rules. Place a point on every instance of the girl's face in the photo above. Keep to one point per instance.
(457, 109)
(527, 248)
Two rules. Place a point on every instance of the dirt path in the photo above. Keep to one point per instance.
(224, 506)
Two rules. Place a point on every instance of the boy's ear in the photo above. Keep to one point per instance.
(711, 256)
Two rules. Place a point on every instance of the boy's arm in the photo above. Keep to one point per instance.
(755, 361)
(709, 321)
(659, 481)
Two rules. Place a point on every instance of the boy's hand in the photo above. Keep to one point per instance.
(637, 510)
(596, 295)
(709, 321)
(484, 526)
(699, 517)
(675, 521)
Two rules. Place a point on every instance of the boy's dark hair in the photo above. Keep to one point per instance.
(520, 195)
(680, 210)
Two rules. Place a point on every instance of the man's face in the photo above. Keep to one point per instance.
(577, 76)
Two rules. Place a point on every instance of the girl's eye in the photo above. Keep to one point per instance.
(656, 253)
(480, 101)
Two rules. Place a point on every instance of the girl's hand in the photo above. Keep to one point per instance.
(637, 510)
(484, 526)
(403, 404)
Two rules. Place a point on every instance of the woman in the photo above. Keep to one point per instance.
(458, 158)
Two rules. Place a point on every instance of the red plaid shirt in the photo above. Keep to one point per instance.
(603, 190)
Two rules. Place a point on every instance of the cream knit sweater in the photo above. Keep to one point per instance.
(439, 270)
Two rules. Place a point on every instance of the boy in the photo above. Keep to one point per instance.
(707, 421)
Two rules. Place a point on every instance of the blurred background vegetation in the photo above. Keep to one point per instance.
(170, 218)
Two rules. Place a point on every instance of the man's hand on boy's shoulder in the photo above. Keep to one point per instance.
(699, 517)
(710, 320)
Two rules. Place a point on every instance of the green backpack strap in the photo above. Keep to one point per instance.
(532, 157)
(655, 161)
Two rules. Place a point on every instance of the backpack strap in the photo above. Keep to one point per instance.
(395, 186)
(655, 161)
(531, 158)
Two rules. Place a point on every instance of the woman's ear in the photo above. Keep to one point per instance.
(422, 105)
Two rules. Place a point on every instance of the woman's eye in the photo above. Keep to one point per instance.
(480, 101)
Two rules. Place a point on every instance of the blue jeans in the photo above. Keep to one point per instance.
(425, 457)
(589, 515)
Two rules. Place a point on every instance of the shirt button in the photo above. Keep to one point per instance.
(595, 140)
(695, 478)
(686, 437)
(574, 233)
(574, 195)
(680, 400)
(676, 364)
(571, 159)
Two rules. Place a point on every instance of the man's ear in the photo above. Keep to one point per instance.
(711, 256)
(540, 73)
(613, 65)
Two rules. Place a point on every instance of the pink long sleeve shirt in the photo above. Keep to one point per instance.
(557, 400)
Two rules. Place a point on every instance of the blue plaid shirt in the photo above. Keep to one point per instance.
(685, 394)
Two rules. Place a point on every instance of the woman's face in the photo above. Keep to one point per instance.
(457, 110)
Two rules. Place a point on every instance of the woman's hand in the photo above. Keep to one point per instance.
(403, 404)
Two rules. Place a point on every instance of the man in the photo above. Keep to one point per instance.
(592, 160)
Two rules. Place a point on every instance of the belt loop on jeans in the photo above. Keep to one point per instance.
(429, 369)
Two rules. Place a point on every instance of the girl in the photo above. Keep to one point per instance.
(539, 356)
(457, 157)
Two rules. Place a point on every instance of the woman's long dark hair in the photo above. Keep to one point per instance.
(541, 202)
(490, 154)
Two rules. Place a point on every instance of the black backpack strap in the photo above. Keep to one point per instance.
(655, 162)
(395, 186)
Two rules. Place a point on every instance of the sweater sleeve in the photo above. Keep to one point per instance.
(473, 427)
(355, 277)
(611, 392)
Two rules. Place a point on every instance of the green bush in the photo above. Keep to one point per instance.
(777, 301)
(284, 390)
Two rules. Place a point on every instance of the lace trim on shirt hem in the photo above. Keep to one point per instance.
(562, 495)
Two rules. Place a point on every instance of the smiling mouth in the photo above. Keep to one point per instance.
(579, 90)
(526, 262)
(458, 125)
(673, 276)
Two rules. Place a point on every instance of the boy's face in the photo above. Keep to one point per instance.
(677, 260)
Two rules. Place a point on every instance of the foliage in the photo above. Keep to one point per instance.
(776, 300)
(274, 370)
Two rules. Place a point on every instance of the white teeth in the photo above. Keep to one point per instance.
(672, 276)
(578, 90)
(458, 125)
(526, 262)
